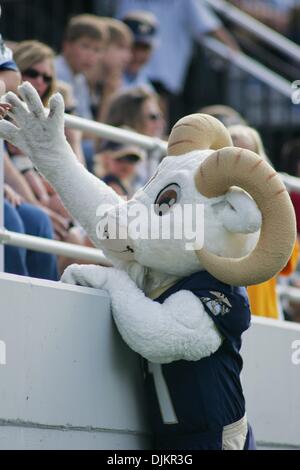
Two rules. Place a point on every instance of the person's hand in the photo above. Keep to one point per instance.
(2, 88)
(4, 109)
(12, 197)
(36, 183)
(60, 224)
(112, 84)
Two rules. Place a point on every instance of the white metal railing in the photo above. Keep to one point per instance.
(251, 66)
(93, 255)
(292, 183)
(115, 134)
(289, 293)
(261, 31)
(53, 247)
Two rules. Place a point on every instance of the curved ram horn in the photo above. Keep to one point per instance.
(198, 132)
(236, 167)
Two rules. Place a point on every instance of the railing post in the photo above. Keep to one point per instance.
(1, 204)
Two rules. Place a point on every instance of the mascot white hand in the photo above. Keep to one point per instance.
(180, 309)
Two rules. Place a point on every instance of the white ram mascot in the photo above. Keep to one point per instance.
(182, 310)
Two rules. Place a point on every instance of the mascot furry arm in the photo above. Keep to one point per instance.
(203, 169)
(42, 138)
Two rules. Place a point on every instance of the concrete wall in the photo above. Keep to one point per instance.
(70, 382)
(272, 382)
(1, 203)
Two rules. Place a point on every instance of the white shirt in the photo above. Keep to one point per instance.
(180, 22)
(79, 85)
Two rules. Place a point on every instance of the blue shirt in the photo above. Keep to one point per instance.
(139, 80)
(79, 86)
(180, 22)
(206, 395)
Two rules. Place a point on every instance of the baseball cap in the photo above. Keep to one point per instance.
(143, 25)
(123, 152)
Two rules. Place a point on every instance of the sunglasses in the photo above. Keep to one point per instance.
(32, 73)
(129, 159)
(154, 116)
(70, 109)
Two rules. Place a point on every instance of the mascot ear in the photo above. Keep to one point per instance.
(234, 167)
(240, 214)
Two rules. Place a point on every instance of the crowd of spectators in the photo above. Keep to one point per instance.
(129, 72)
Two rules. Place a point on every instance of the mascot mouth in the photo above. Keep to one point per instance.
(128, 250)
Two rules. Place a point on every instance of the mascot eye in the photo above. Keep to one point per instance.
(166, 199)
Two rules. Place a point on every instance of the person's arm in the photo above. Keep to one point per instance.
(12, 197)
(17, 181)
(111, 86)
(201, 21)
(74, 138)
(2, 89)
(11, 78)
(36, 184)
(264, 13)
(224, 36)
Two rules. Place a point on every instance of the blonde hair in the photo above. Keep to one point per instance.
(66, 90)
(227, 115)
(251, 134)
(125, 108)
(86, 26)
(118, 32)
(29, 53)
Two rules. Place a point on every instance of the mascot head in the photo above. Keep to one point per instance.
(249, 222)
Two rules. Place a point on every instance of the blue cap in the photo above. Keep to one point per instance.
(144, 30)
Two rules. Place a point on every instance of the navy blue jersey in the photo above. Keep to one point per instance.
(193, 401)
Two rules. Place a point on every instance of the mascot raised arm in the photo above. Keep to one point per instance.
(183, 310)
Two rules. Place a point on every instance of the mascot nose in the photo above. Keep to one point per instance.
(106, 232)
(115, 234)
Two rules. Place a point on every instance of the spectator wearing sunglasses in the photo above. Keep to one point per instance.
(36, 64)
(138, 109)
